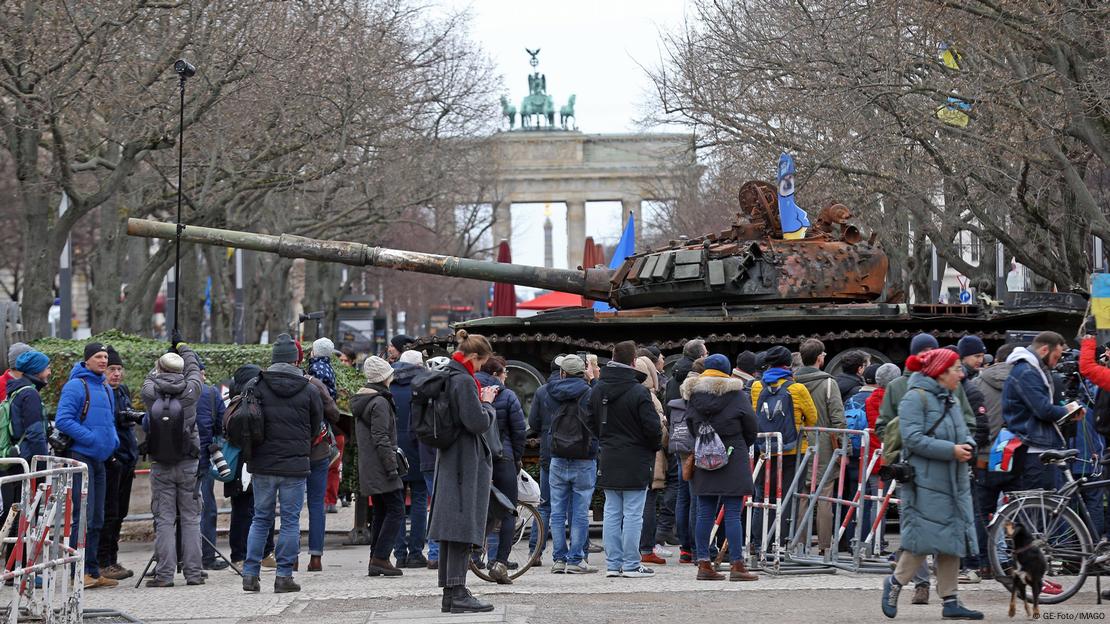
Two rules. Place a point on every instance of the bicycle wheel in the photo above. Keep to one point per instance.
(1065, 540)
(526, 515)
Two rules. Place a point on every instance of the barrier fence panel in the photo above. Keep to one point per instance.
(46, 563)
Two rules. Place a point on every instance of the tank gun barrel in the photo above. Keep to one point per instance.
(591, 283)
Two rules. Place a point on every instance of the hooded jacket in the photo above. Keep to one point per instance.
(721, 402)
(376, 434)
(628, 426)
(292, 411)
(989, 383)
(848, 385)
(94, 435)
(510, 418)
(1027, 405)
(545, 406)
(1089, 366)
(805, 412)
(28, 421)
(682, 368)
(186, 387)
(560, 392)
(401, 388)
(210, 418)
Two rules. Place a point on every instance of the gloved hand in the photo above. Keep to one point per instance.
(175, 340)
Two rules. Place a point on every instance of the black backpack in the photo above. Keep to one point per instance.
(244, 424)
(570, 435)
(430, 416)
(166, 441)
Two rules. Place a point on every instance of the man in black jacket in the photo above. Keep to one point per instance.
(279, 465)
(629, 435)
(120, 474)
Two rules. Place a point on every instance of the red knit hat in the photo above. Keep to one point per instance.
(935, 362)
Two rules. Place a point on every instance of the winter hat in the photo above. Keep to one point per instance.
(412, 357)
(17, 349)
(923, 342)
(114, 358)
(323, 347)
(654, 350)
(887, 373)
(760, 360)
(869, 373)
(971, 345)
(778, 357)
(572, 365)
(93, 348)
(718, 363)
(555, 364)
(746, 362)
(241, 376)
(31, 362)
(171, 363)
(376, 369)
(935, 362)
(285, 350)
(400, 341)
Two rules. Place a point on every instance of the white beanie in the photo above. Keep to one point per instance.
(323, 347)
(412, 357)
(376, 369)
(171, 363)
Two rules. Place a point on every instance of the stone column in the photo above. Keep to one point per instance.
(633, 205)
(576, 232)
(502, 223)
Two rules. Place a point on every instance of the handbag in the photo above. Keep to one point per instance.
(402, 462)
(500, 507)
(688, 467)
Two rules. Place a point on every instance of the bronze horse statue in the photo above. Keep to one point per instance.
(567, 112)
(508, 111)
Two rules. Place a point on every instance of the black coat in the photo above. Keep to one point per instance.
(292, 410)
(630, 432)
(681, 370)
(848, 385)
(722, 402)
(401, 389)
(376, 436)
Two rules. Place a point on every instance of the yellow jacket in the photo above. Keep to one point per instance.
(805, 412)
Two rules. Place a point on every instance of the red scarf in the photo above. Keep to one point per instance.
(468, 365)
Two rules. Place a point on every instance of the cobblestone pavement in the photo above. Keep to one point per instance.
(343, 594)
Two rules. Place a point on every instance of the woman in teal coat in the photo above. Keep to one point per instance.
(937, 517)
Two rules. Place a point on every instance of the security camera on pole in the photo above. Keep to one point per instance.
(185, 70)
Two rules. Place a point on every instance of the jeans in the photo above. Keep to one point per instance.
(316, 487)
(433, 545)
(707, 515)
(331, 497)
(544, 509)
(95, 509)
(412, 543)
(208, 513)
(268, 491)
(571, 482)
(389, 522)
(989, 486)
(624, 518)
(1035, 475)
(1095, 500)
(117, 502)
(685, 514)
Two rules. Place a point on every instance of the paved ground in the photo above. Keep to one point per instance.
(343, 594)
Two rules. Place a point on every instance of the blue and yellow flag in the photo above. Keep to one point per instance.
(1100, 299)
(794, 220)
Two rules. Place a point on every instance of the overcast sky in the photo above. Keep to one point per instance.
(591, 48)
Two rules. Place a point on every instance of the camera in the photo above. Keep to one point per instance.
(59, 441)
(219, 462)
(184, 68)
(1066, 376)
(902, 472)
(127, 416)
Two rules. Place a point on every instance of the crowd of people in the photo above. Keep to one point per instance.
(667, 448)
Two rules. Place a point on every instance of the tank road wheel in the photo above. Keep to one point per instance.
(524, 380)
(832, 366)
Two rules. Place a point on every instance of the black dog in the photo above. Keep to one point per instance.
(1029, 569)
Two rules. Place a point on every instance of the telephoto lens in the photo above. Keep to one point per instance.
(218, 461)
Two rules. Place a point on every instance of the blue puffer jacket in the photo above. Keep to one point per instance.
(539, 419)
(401, 389)
(510, 418)
(96, 437)
(210, 419)
(27, 416)
(937, 516)
(1027, 403)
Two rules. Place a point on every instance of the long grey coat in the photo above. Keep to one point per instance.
(936, 512)
(464, 470)
(376, 436)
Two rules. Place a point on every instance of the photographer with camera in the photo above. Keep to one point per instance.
(119, 472)
(210, 418)
(937, 515)
(171, 392)
(85, 430)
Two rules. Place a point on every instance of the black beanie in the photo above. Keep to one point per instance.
(778, 357)
(113, 357)
(400, 341)
(869, 373)
(746, 362)
(285, 350)
(242, 375)
(93, 348)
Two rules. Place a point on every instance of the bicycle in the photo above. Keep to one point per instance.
(527, 519)
(1061, 526)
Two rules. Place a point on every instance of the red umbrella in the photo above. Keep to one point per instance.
(592, 256)
(504, 295)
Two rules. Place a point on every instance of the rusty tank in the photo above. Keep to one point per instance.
(745, 287)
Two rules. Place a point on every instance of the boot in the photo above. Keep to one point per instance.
(448, 594)
(953, 610)
(315, 564)
(285, 585)
(250, 583)
(739, 572)
(382, 567)
(462, 601)
(707, 573)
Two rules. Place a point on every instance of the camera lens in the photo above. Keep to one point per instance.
(184, 68)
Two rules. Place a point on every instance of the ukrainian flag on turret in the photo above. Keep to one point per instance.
(794, 220)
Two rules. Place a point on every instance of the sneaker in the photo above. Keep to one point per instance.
(218, 564)
(891, 590)
(499, 572)
(1051, 588)
(269, 562)
(920, 595)
(285, 585)
(156, 583)
(117, 572)
(686, 557)
(559, 567)
(346, 502)
(331, 509)
(617, 573)
(580, 568)
(953, 610)
(653, 559)
(662, 551)
(593, 548)
(416, 561)
(969, 577)
(195, 581)
(640, 572)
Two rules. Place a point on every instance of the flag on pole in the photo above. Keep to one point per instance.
(1100, 303)
(626, 247)
(794, 220)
